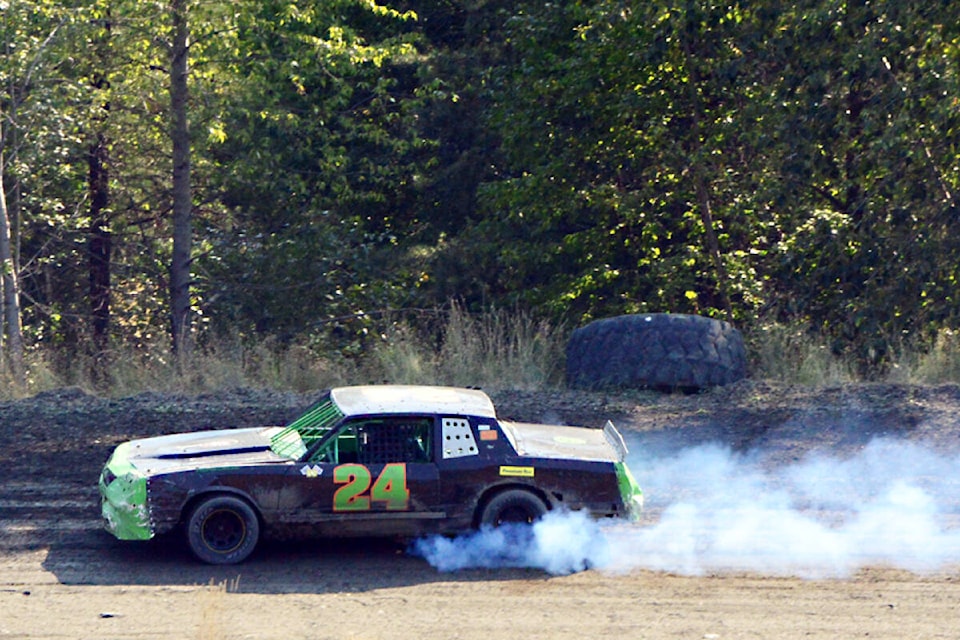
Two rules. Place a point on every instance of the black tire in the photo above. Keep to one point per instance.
(660, 351)
(222, 530)
(513, 506)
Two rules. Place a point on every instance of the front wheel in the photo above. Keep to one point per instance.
(512, 506)
(222, 530)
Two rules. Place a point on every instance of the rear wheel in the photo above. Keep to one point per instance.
(514, 506)
(222, 530)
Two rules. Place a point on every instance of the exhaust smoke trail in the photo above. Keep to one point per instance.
(709, 510)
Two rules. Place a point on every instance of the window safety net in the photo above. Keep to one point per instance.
(294, 440)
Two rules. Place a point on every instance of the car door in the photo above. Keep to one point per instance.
(374, 475)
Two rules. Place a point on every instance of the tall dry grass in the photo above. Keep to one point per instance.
(937, 365)
(220, 364)
(495, 349)
(790, 354)
(213, 608)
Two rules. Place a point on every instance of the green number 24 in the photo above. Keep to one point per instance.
(390, 489)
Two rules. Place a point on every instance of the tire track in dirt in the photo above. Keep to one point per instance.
(34, 515)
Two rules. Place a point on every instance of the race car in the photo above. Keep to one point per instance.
(380, 460)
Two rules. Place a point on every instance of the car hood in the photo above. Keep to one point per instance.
(202, 450)
(577, 443)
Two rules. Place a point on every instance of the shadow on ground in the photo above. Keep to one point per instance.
(302, 566)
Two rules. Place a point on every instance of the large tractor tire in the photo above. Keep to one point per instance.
(661, 351)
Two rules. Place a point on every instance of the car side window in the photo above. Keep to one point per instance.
(457, 438)
(381, 440)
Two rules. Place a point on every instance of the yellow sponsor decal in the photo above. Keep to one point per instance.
(520, 472)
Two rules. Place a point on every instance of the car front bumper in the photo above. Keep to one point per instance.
(123, 498)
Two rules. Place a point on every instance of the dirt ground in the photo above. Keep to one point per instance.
(61, 576)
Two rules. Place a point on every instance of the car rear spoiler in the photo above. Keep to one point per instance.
(615, 439)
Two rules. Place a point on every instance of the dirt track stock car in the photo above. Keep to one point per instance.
(365, 461)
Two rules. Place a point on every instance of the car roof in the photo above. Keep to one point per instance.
(373, 399)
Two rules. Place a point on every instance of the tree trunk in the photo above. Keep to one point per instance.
(700, 179)
(713, 244)
(11, 291)
(99, 240)
(182, 202)
(99, 244)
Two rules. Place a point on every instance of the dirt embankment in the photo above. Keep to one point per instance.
(73, 432)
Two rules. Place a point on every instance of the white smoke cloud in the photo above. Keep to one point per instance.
(895, 503)
(559, 543)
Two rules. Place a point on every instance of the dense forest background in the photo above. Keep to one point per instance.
(312, 172)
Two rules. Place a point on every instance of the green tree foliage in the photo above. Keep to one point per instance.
(864, 143)
(798, 158)
(313, 161)
(615, 128)
(93, 89)
(796, 161)
(37, 136)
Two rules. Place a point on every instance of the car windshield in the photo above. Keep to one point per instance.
(294, 440)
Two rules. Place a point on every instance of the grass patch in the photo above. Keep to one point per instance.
(494, 349)
(937, 365)
(220, 364)
(790, 354)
